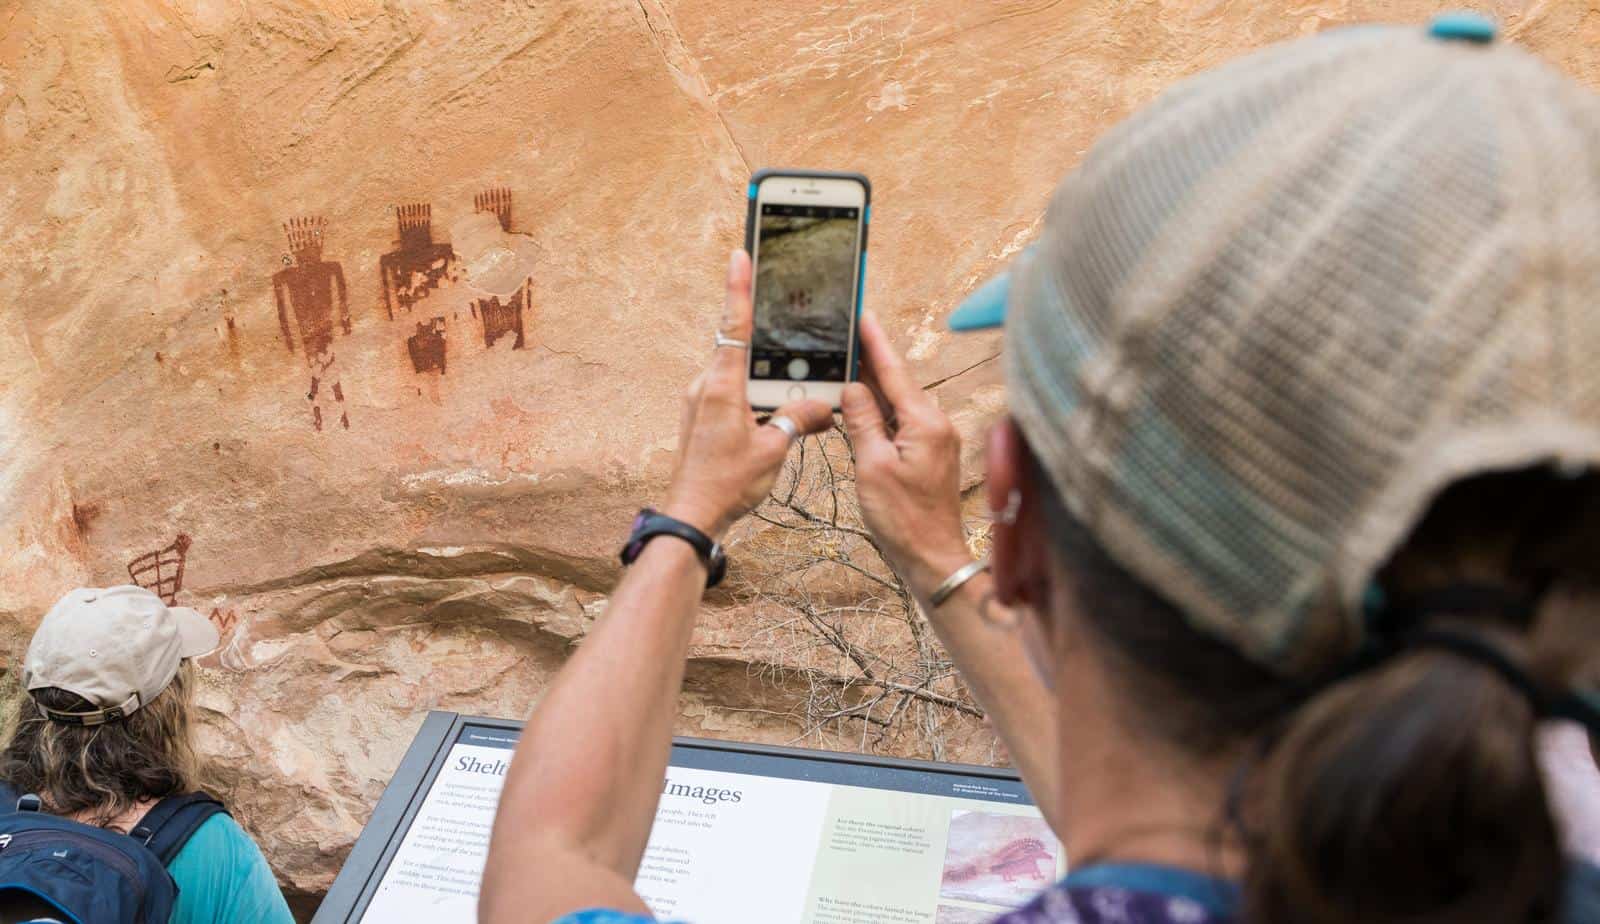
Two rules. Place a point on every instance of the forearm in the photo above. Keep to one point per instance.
(994, 665)
(587, 772)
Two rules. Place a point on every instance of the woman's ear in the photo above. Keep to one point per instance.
(1019, 546)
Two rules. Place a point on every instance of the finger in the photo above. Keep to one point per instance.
(729, 364)
(809, 417)
(871, 438)
(888, 371)
(890, 421)
(863, 418)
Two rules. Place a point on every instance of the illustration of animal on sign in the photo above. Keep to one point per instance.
(417, 265)
(501, 319)
(161, 571)
(313, 291)
(997, 858)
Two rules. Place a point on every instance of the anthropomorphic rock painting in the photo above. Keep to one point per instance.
(161, 571)
(426, 346)
(501, 318)
(313, 291)
(496, 200)
(417, 265)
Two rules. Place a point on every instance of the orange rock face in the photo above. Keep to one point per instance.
(384, 310)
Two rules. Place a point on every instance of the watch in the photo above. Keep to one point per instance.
(649, 524)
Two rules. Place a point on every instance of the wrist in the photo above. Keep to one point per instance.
(929, 570)
(677, 554)
(652, 527)
(696, 515)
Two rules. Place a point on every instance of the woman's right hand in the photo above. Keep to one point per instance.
(908, 477)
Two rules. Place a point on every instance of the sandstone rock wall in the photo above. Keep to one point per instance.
(374, 314)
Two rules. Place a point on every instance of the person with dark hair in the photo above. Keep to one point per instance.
(1295, 512)
(97, 730)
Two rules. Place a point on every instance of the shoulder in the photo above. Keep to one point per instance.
(218, 838)
(223, 878)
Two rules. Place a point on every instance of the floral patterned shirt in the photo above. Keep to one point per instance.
(1107, 894)
(1130, 893)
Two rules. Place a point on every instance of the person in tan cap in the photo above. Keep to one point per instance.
(101, 734)
(1295, 514)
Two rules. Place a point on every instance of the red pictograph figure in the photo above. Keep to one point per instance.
(312, 289)
(496, 200)
(417, 265)
(161, 571)
(223, 619)
(426, 346)
(500, 319)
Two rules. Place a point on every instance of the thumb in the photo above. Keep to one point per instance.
(809, 417)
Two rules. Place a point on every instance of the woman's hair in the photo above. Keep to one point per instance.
(101, 770)
(1410, 790)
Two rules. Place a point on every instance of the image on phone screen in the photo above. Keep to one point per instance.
(804, 291)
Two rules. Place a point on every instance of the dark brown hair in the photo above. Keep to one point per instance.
(1409, 791)
(100, 771)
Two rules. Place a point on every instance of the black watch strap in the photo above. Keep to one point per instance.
(650, 524)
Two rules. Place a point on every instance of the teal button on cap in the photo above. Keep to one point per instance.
(1463, 27)
(985, 308)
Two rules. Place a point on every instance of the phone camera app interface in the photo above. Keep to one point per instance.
(804, 291)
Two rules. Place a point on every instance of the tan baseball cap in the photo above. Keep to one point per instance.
(117, 647)
(1278, 310)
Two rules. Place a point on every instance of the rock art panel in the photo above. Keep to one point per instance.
(584, 156)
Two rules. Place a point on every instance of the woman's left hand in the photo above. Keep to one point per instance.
(726, 462)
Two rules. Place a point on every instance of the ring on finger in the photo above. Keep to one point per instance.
(723, 340)
(789, 427)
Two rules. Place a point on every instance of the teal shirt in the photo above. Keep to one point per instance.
(223, 879)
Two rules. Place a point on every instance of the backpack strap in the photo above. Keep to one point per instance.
(13, 801)
(172, 821)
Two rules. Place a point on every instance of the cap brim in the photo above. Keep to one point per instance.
(196, 634)
(985, 308)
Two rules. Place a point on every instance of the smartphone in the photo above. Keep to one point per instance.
(806, 232)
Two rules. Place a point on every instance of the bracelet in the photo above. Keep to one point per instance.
(649, 524)
(957, 580)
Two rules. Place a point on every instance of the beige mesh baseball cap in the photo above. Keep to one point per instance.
(1276, 312)
(117, 647)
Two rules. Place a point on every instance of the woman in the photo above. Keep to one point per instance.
(1294, 511)
(101, 733)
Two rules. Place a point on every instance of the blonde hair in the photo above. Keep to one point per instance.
(99, 771)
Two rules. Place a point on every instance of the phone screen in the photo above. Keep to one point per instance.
(805, 291)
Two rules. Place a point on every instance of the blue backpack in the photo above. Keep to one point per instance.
(91, 875)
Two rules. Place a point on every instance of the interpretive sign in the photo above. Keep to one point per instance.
(743, 833)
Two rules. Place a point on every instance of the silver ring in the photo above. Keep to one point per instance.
(789, 427)
(725, 341)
